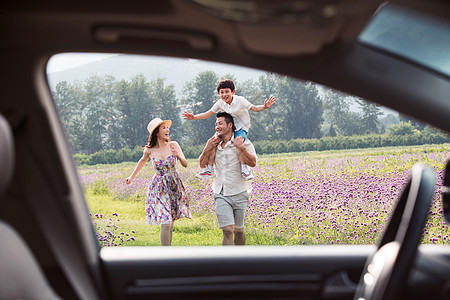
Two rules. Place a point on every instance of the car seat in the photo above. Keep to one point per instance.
(20, 274)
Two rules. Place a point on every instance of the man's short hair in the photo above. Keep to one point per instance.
(228, 118)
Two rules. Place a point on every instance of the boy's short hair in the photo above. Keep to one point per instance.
(228, 118)
(225, 84)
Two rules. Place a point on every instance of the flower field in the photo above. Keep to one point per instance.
(338, 197)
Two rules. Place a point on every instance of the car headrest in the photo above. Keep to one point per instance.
(7, 158)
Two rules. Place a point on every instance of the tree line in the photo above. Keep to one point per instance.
(391, 139)
(102, 113)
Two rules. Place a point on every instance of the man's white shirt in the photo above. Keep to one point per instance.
(228, 169)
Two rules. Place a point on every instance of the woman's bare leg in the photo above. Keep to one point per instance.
(166, 234)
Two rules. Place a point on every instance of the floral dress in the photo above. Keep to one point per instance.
(166, 199)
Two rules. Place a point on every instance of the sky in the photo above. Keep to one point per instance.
(64, 61)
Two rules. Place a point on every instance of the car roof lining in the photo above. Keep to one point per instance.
(316, 57)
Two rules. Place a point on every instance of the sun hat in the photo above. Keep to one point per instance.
(155, 123)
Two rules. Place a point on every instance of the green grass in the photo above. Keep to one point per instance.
(198, 231)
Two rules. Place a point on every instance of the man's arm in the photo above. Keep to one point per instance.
(211, 144)
(267, 103)
(248, 157)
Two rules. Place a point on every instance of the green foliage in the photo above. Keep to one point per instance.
(428, 136)
(106, 120)
(414, 122)
(369, 116)
(349, 142)
(403, 128)
(102, 113)
(332, 131)
(346, 122)
(302, 109)
(201, 96)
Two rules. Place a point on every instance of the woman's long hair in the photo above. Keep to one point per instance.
(152, 140)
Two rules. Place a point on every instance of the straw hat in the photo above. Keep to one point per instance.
(155, 123)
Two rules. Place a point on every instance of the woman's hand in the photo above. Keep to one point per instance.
(128, 180)
(174, 151)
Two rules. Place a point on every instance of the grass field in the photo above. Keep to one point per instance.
(332, 197)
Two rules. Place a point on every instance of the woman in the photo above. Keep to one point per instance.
(166, 199)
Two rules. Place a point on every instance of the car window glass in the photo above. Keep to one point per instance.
(330, 166)
(411, 35)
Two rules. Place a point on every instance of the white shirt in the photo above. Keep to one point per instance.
(228, 169)
(238, 109)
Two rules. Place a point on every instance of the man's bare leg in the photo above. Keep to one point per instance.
(239, 236)
(228, 232)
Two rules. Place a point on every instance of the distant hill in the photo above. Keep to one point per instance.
(176, 71)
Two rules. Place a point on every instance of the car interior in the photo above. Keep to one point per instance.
(49, 249)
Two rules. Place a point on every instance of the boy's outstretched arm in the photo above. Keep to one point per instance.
(201, 116)
(267, 103)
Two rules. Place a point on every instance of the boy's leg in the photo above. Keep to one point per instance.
(246, 173)
(212, 158)
(208, 171)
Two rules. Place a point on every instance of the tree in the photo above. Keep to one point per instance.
(350, 124)
(261, 125)
(389, 120)
(165, 102)
(417, 124)
(265, 122)
(140, 110)
(369, 116)
(123, 107)
(336, 109)
(94, 109)
(63, 99)
(302, 109)
(201, 95)
(68, 99)
(332, 131)
(113, 118)
(402, 128)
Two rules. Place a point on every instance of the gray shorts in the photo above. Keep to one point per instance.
(230, 210)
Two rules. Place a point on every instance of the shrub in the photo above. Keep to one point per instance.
(82, 159)
(402, 128)
(392, 139)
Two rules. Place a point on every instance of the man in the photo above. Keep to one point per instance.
(230, 188)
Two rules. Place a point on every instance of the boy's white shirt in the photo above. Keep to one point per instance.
(238, 109)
